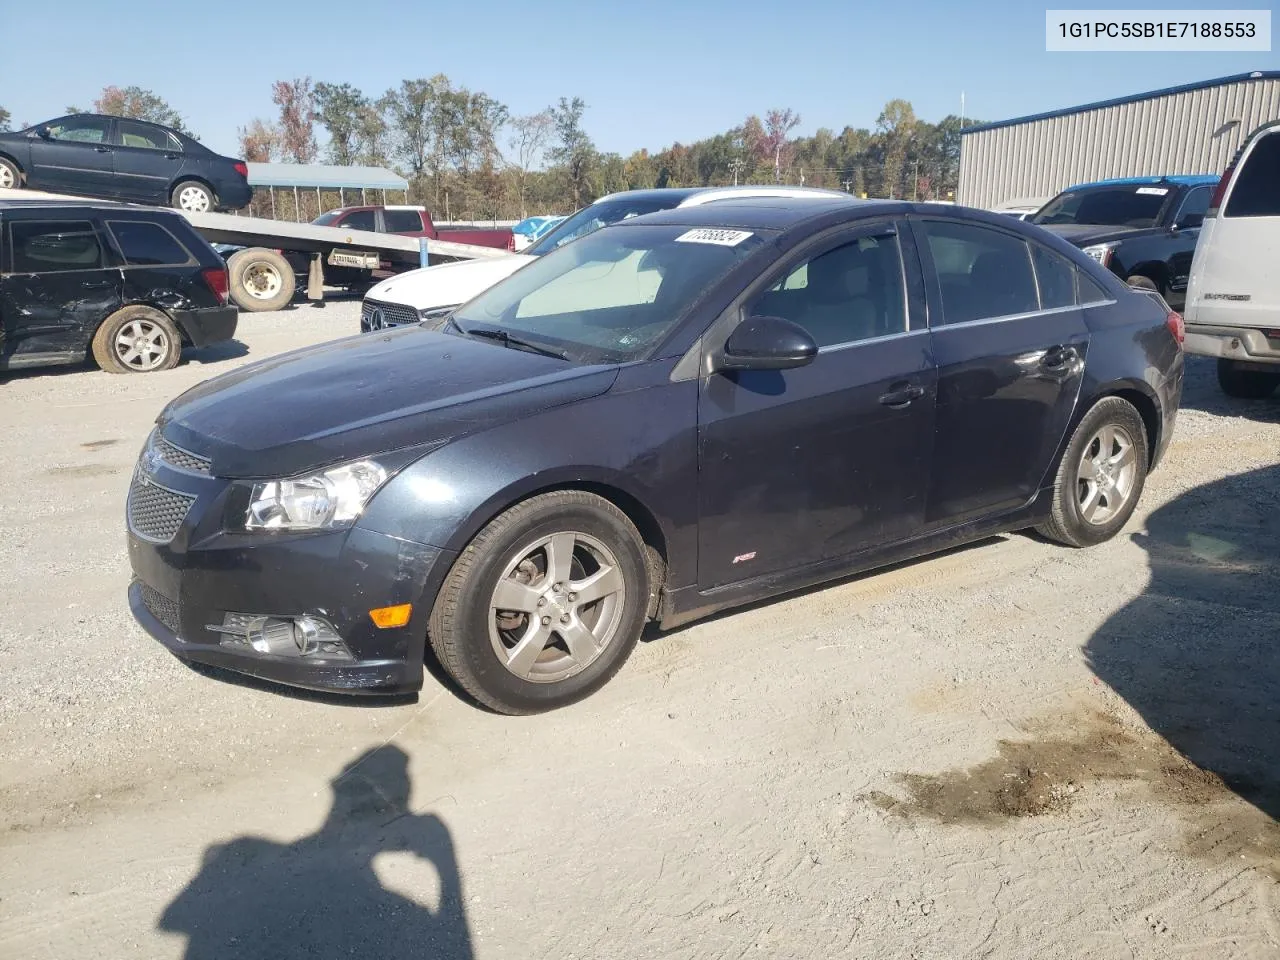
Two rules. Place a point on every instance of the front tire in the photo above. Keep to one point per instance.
(10, 175)
(1101, 476)
(1245, 383)
(545, 605)
(137, 339)
(192, 197)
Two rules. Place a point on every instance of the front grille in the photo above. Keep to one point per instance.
(161, 607)
(377, 315)
(175, 456)
(155, 514)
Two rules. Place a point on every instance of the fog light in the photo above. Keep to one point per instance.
(306, 636)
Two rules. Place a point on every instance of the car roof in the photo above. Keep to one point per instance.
(104, 205)
(769, 213)
(688, 196)
(1187, 180)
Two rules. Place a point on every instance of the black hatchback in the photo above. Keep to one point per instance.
(118, 158)
(127, 285)
(676, 414)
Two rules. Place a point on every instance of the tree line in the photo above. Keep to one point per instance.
(467, 156)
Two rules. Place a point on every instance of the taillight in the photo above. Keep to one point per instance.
(1176, 325)
(216, 279)
(242, 168)
(1220, 190)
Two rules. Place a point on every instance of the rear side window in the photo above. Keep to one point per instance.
(133, 134)
(51, 246)
(359, 220)
(1256, 192)
(1055, 276)
(147, 244)
(983, 273)
(402, 221)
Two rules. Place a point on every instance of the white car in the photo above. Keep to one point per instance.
(435, 292)
(1233, 295)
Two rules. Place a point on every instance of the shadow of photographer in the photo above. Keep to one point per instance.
(321, 897)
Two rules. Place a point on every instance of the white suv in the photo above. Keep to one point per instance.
(434, 292)
(1233, 296)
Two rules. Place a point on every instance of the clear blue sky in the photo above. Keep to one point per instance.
(652, 72)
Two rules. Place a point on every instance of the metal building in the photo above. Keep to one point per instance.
(1195, 128)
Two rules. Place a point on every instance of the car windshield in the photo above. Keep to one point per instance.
(327, 218)
(611, 297)
(1134, 205)
(592, 218)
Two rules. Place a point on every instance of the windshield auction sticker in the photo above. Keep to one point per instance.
(723, 238)
(1130, 30)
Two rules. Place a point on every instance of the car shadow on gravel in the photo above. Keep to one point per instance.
(214, 353)
(1197, 655)
(324, 895)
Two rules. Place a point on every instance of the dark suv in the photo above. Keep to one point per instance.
(118, 158)
(131, 286)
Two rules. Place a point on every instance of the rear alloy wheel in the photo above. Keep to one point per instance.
(137, 340)
(1246, 383)
(10, 175)
(545, 605)
(260, 280)
(1101, 476)
(192, 197)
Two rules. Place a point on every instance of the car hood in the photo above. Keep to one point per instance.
(447, 284)
(363, 396)
(1085, 234)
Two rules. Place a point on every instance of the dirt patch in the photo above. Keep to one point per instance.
(83, 470)
(98, 444)
(1045, 775)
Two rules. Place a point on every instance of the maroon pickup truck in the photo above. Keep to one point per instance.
(413, 222)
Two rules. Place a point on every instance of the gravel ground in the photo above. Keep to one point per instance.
(1009, 750)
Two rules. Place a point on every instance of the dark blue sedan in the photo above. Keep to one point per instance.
(118, 158)
(677, 414)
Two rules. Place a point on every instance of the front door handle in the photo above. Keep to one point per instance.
(173, 156)
(901, 395)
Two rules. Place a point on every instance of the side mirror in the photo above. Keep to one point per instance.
(767, 343)
(43, 132)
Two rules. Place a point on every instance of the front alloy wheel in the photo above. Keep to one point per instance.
(544, 606)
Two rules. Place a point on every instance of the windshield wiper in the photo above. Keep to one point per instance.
(516, 343)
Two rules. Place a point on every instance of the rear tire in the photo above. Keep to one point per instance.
(137, 339)
(1146, 283)
(10, 175)
(1244, 383)
(260, 280)
(1101, 476)
(497, 622)
(192, 197)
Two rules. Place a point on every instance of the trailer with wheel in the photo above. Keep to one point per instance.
(260, 272)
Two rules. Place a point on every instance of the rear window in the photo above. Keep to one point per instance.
(50, 246)
(402, 221)
(1256, 192)
(147, 244)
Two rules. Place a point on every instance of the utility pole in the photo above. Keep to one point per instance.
(915, 185)
(777, 163)
(735, 166)
(802, 176)
(848, 185)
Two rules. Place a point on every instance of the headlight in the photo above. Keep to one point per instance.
(1100, 252)
(436, 313)
(329, 500)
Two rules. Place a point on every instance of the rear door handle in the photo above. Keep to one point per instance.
(1059, 356)
(103, 149)
(173, 156)
(901, 395)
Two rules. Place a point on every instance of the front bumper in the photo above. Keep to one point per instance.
(208, 325)
(1249, 345)
(186, 585)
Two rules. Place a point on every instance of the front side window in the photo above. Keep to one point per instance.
(54, 246)
(1194, 206)
(613, 295)
(80, 130)
(1128, 205)
(360, 220)
(853, 292)
(147, 244)
(983, 273)
(1256, 192)
(133, 134)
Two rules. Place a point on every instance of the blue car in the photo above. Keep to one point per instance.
(531, 228)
